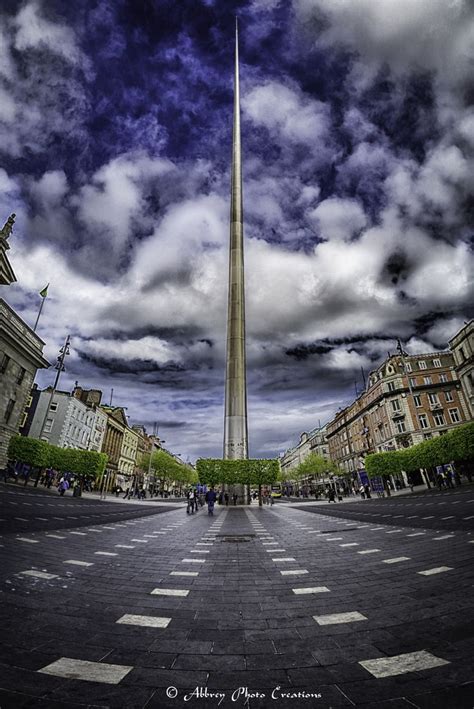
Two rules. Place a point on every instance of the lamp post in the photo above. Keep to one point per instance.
(59, 366)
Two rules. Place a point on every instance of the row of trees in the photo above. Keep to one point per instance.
(252, 472)
(167, 469)
(316, 466)
(457, 446)
(41, 454)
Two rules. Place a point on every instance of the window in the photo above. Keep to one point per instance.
(417, 400)
(412, 381)
(443, 378)
(54, 406)
(448, 396)
(48, 426)
(422, 364)
(454, 415)
(9, 410)
(21, 375)
(427, 380)
(4, 364)
(462, 353)
(396, 405)
(436, 363)
(391, 386)
(423, 419)
(439, 418)
(401, 427)
(433, 399)
(408, 367)
(427, 436)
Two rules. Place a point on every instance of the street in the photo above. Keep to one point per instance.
(252, 607)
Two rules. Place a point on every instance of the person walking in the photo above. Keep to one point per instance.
(234, 498)
(190, 502)
(226, 498)
(211, 498)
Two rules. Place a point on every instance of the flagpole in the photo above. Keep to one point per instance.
(43, 298)
(39, 314)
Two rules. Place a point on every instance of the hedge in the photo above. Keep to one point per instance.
(456, 445)
(41, 454)
(254, 471)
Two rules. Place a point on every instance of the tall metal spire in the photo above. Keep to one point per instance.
(235, 421)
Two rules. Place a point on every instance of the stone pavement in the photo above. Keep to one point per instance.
(274, 607)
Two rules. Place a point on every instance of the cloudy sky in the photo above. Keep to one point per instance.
(358, 138)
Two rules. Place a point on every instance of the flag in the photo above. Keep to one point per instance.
(43, 293)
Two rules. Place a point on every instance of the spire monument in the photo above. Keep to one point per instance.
(235, 421)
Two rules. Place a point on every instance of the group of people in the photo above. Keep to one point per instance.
(195, 501)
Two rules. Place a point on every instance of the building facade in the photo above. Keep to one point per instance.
(63, 421)
(113, 441)
(408, 399)
(462, 347)
(313, 442)
(21, 355)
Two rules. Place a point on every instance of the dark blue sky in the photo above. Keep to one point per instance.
(358, 135)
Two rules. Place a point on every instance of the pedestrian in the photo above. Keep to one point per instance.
(226, 498)
(339, 494)
(234, 498)
(211, 500)
(190, 502)
(63, 486)
(367, 490)
(362, 491)
(331, 495)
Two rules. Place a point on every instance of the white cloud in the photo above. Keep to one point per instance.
(34, 31)
(145, 348)
(287, 113)
(339, 218)
(406, 34)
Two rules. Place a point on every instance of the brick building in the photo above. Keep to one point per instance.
(409, 398)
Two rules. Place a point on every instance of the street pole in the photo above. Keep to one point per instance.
(60, 368)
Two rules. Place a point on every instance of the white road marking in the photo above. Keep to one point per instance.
(437, 570)
(55, 536)
(416, 534)
(87, 671)
(445, 536)
(169, 592)
(310, 589)
(193, 561)
(125, 546)
(184, 573)
(39, 574)
(395, 560)
(334, 618)
(401, 664)
(284, 558)
(368, 551)
(294, 572)
(30, 541)
(350, 544)
(146, 621)
(106, 553)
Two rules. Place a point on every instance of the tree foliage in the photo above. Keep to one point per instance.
(254, 471)
(41, 454)
(456, 445)
(315, 465)
(167, 468)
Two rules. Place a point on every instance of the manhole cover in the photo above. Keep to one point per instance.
(236, 538)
